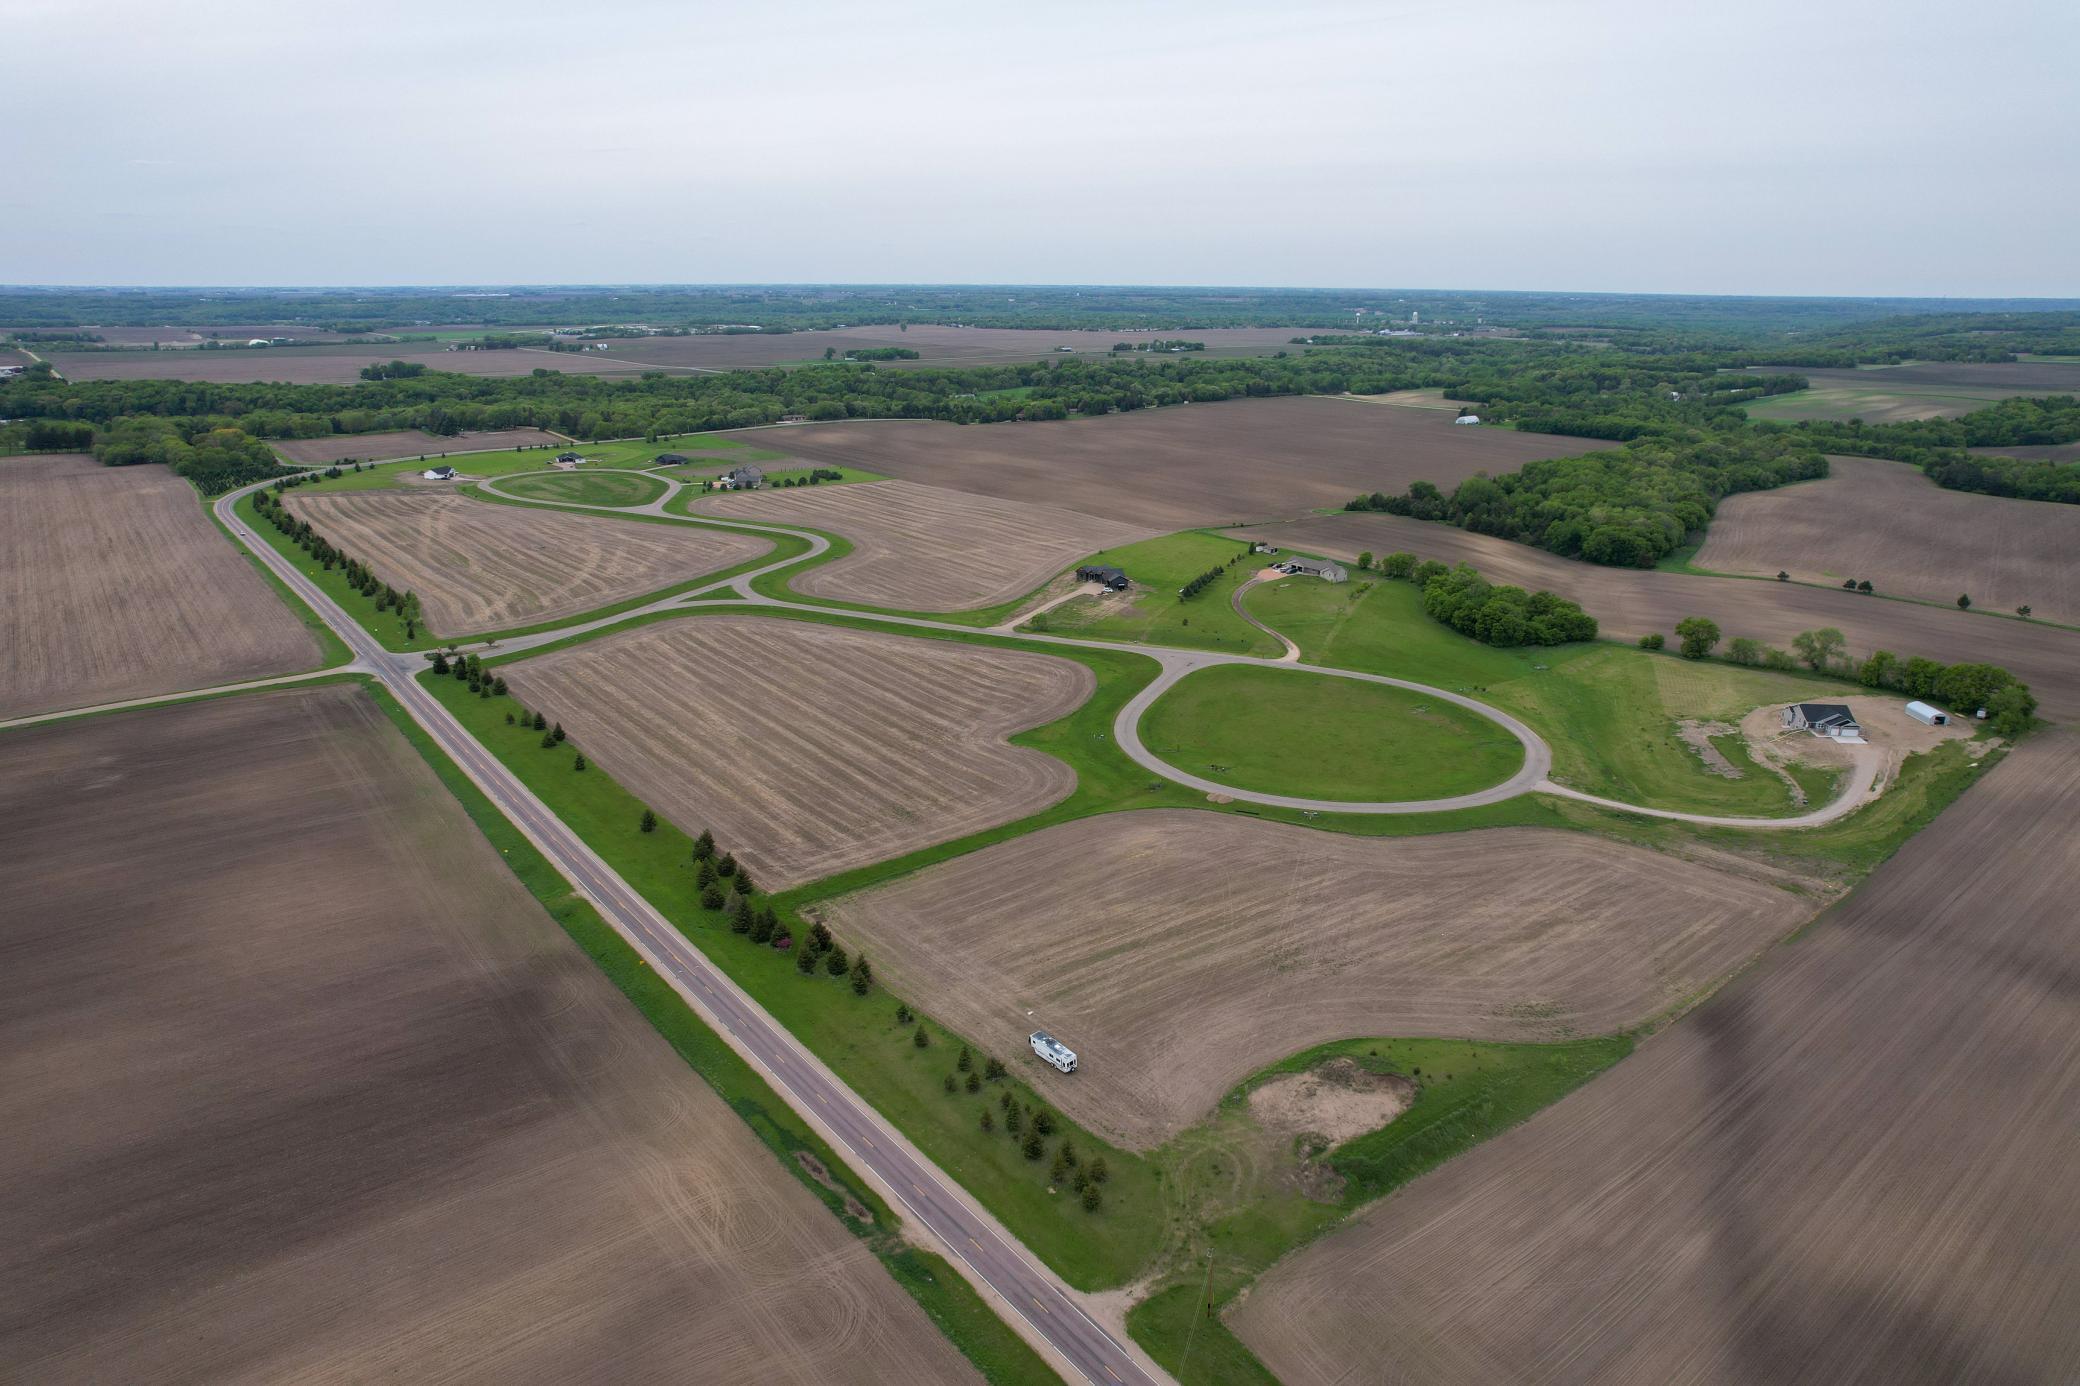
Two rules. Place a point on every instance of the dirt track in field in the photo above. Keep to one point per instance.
(925, 548)
(1194, 464)
(1889, 524)
(299, 1084)
(114, 584)
(1178, 952)
(480, 566)
(809, 749)
(1854, 1165)
(1629, 603)
(376, 447)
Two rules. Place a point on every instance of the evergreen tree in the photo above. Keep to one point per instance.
(711, 899)
(902, 1013)
(541, 723)
(993, 1070)
(648, 822)
(1099, 1174)
(919, 1038)
(988, 1122)
(835, 962)
(966, 1061)
(1092, 1199)
(1034, 1147)
(558, 733)
(705, 877)
(741, 919)
(1043, 1121)
(548, 741)
(950, 1085)
(726, 865)
(704, 846)
(765, 926)
(805, 962)
(974, 1083)
(863, 978)
(440, 663)
(579, 763)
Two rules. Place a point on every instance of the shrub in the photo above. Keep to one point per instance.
(1652, 642)
(918, 1038)
(1698, 635)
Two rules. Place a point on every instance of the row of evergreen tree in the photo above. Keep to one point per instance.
(329, 556)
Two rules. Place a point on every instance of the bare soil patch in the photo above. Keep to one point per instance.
(1188, 465)
(1887, 523)
(299, 1084)
(925, 548)
(811, 749)
(1630, 603)
(114, 584)
(1852, 1165)
(377, 447)
(1179, 952)
(1336, 1100)
(479, 566)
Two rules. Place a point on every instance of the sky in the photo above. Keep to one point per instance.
(1829, 147)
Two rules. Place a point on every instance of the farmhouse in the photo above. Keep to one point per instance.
(669, 459)
(1832, 720)
(1322, 568)
(1104, 574)
(569, 458)
(439, 474)
(741, 479)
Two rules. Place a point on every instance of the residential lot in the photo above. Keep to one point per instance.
(114, 584)
(1178, 952)
(809, 749)
(1630, 603)
(927, 548)
(1886, 523)
(1851, 1166)
(312, 1089)
(1187, 465)
(481, 566)
(376, 447)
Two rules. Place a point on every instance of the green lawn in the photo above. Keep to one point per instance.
(1280, 731)
(588, 488)
(1153, 612)
(961, 1313)
(1608, 711)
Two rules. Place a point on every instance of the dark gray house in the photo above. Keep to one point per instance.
(1833, 720)
(1103, 573)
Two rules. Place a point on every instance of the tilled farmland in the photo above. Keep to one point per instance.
(312, 1089)
(1186, 465)
(1629, 603)
(114, 584)
(926, 548)
(810, 749)
(1887, 523)
(1853, 1165)
(1178, 952)
(481, 566)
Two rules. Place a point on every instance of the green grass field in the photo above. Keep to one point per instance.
(588, 488)
(1153, 612)
(1608, 711)
(1279, 731)
(1880, 403)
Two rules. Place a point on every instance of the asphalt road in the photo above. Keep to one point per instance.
(844, 1118)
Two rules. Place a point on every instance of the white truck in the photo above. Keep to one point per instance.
(1053, 1051)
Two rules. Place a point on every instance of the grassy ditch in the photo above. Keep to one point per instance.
(997, 1352)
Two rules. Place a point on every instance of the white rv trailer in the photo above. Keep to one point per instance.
(1053, 1051)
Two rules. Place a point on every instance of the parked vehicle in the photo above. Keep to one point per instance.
(1053, 1051)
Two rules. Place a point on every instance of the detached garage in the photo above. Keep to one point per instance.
(1928, 716)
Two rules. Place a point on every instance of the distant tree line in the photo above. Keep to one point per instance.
(1938, 446)
(1494, 615)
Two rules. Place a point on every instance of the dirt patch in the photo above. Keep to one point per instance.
(1336, 1100)
(114, 584)
(378, 447)
(478, 566)
(1886, 523)
(810, 749)
(820, 1172)
(1189, 464)
(1698, 737)
(1186, 950)
(301, 1084)
(925, 548)
(1854, 1164)
(1885, 725)
(1630, 603)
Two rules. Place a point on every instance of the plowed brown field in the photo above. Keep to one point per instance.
(1853, 1165)
(1630, 603)
(376, 447)
(115, 585)
(925, 548)
(1886, 522)
(1192, 464)
(300, 1084)
(808, 749)
(479, 566)
(1178, 952)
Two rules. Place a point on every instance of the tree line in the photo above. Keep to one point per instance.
(329, 556)
(1502, 616)
(1937, 446)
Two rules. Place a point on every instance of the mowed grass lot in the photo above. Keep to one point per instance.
(1281, 731)
(1609, 712)
(1152, 612)
(588, 488)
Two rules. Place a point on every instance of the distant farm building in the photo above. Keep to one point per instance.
(439, 474)
(570, 457)
(794, 418)
(741, 479)
(669, 459)
(1467, 419)
(1322, 568)
(1831, 720)
(1928, 716)
(1103, 574)
(567, 463)
(1261, 547)
(259, 341)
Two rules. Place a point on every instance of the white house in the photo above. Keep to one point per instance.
(1467, 419)
(1053, 1051)
(439, 474)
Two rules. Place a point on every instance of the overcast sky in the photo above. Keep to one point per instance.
(1809, 148)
